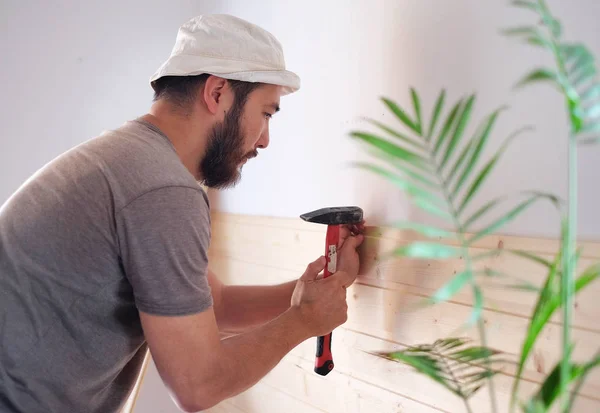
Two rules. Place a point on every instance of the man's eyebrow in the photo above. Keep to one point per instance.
(275, 107)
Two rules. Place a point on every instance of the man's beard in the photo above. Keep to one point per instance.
(224, 153)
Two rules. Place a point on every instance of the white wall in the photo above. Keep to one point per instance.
(350, 53)
(72, 69)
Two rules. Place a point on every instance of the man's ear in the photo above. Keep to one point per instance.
(212, 93)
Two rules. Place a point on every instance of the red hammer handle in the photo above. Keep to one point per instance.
(324, 358)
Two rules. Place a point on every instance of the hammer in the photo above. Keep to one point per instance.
(333, 217)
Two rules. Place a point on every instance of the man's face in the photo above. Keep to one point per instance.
(236, 139)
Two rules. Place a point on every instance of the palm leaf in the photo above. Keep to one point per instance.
(529, 34)
(428, 207)
(452, 287)
(427, 230)
(428, 250)
(582, 74)
(587, 368)
(532, 5)
(420, 176)
(391, 149)
(439, 104)
(477, 306)
(485, 171)
(403, 183)
(593, 111)
(402, 116)
(460, 161)
(458, 130)
(396, 134)
(591, 93)
(478, 147)
(481, 212)
(447, 126)
(532, 257)
(539, 75)
(548, 302)
(550, 389)
(539, 318)
(509, 216)
(591, 127)
(452, 362)
(417, 108)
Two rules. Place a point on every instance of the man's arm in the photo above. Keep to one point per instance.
(239, 307)
(200, 370)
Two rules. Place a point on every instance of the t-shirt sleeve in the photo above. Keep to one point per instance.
(164, 237)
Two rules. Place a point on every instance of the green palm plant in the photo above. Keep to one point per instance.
(441, 169)
(575, 77)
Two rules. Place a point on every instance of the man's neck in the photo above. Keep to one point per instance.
(187, 133)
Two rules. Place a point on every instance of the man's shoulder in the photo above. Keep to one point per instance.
(137, 158)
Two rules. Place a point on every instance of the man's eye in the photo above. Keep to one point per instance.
(268, 115)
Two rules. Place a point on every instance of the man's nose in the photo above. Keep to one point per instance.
(263, 141)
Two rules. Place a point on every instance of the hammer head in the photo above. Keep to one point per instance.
(335, 215)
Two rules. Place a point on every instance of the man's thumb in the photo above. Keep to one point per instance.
(313, 269)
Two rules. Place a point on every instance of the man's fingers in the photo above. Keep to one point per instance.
(345, 232)
(353, 242)
(313, 269)
(358, 228)
(342, 278)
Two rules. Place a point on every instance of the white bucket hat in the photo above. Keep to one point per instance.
(231, 48)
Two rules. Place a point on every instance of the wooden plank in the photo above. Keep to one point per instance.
(351, 351)
(338, 392)
(261, 250)
(289, 249)
(385, 313)
(227, 222)
(265, 398)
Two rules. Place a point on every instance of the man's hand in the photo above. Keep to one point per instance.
(200, 370)
(350, 230)
(348, 259)
(322, 302)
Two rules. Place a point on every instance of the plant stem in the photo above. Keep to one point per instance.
(567, 285)
(482, 334)
(567, 280)
(469, 410)
(465, 247)
(465, 400)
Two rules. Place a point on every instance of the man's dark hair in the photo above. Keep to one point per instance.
(182, 90)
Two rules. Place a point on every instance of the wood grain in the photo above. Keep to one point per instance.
(263, 250)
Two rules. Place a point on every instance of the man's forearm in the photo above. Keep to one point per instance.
(245, 306)
(248, 357)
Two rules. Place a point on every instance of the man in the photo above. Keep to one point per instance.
(103, 252)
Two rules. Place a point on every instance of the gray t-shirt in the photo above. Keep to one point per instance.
(113, 226)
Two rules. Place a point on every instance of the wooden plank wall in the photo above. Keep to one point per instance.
(260, 250)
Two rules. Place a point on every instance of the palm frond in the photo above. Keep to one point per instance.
(453, 362)
(576, 73)
(432, 165)
(549, 300)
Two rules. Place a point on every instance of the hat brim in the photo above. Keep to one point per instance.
(228, 69)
